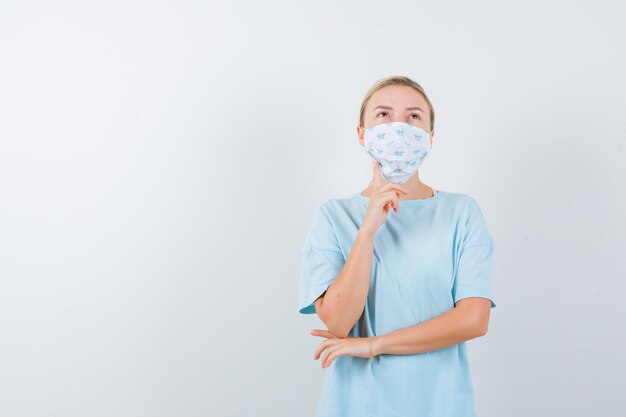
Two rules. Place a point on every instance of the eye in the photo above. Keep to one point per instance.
(382, 112)
(418, 116)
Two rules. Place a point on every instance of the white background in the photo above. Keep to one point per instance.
(160, 163)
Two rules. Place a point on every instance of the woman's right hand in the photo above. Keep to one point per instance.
(384, 196)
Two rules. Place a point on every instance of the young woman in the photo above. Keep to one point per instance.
(399, 273)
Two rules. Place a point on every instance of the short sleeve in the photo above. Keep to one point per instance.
(473, 277)
(321, 260)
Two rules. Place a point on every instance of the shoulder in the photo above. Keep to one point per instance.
(343, 204)
(458, 198)
(331, 210)
(460, 203)
(471, 220)
(463, 209)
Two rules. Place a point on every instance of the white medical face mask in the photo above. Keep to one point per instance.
(399, 148)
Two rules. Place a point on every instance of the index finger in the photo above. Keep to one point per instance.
(377, 180)
(322, 333)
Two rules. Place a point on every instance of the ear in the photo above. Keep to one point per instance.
(360, 133)
(432, 136)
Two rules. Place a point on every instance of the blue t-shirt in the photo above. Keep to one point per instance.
(430, 254)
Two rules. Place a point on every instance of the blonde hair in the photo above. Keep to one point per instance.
(396, 80)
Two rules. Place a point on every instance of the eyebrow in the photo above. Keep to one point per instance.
(390, 108)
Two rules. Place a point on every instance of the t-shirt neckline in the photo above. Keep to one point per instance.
(414, 202)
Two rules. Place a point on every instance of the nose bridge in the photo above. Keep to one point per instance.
(398, 115)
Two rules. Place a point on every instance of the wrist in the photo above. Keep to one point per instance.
(377, 343)
(366, 233)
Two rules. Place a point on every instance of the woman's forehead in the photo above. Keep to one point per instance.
(402, 97)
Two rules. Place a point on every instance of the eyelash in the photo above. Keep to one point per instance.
(412, 114)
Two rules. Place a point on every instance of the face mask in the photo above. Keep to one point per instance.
(398, 147)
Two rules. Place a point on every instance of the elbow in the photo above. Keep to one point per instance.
(341, 333)
(479, 323)
(337, 329)
(481, 328)
(474, 312)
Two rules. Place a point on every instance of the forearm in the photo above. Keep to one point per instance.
(447, 329)
(344, 300)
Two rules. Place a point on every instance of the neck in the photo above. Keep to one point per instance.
(417, 189)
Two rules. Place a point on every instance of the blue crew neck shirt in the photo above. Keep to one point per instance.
(432, 253)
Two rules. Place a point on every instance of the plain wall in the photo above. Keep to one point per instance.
(160, 163)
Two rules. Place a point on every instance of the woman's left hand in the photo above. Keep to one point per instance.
(335, 346)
